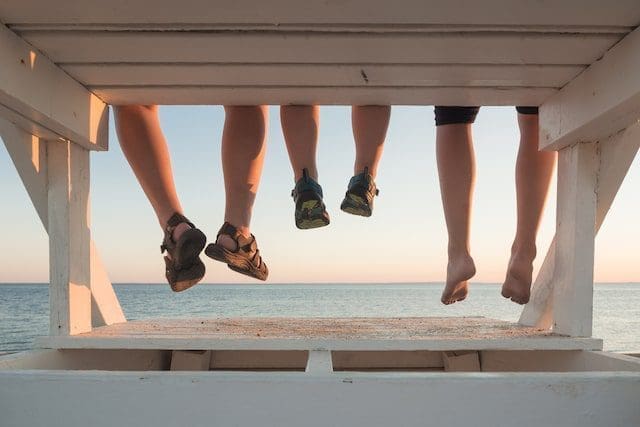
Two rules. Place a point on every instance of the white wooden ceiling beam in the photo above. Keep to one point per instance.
(601, 101)
(453, 12)
(42, 99)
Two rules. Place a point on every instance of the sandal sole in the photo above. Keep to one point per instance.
(235, 262)
(312, 215)
(356, 205)
(188, 250)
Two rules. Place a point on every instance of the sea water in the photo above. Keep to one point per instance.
(24, 308)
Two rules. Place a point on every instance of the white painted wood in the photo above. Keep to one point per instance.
(74, 360)
(599, 102)
(568, 13)
(319, 362)
(354, 399)
(168, 74)
(387, 360)
(538, 311)
(316, 47)
(42, 99)
(575, 225)
(557, 361)
(192, 360)
(306, 95)
(456, 361)
(333, 27)
(29, 156)
(105, 306)
(336, 334)
(258, 360)
(69, 238)
(616, 156)
(605, 361)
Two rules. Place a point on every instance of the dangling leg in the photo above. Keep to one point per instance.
(300, 125)
(370, 125)
(533, 175)
(456, 169)
(243, 150)
(145, 148)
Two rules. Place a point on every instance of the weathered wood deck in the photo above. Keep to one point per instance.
(402, 334)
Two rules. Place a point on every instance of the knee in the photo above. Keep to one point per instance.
(129, 110)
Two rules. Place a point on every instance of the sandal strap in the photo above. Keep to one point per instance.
(228, 230)
(175, 220)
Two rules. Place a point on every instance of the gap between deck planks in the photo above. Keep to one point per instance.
(403, 334)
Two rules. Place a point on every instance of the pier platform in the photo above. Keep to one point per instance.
(362, 334)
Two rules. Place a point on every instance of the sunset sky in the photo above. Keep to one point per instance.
(404, 241)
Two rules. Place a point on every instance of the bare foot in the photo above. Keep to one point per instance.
(517, 284)
(459, 270)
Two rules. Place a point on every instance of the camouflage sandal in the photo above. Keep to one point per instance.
(245, 259)
(359, 197)
(310, 209)
(183, 265)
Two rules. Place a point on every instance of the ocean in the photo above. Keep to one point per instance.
(24, 308)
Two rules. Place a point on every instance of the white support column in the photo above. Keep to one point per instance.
(575, 225)
(69, 238)
(616, 156)
(29, 156)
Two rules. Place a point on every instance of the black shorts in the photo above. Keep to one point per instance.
(455, 115)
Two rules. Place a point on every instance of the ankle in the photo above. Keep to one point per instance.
(298, 173)
(458, 252)
(521, 250)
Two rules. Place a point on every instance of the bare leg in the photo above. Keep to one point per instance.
(533, 175)
(145, 148)
(300, 128)
(456, 169)
(243, 150)
(370, 125)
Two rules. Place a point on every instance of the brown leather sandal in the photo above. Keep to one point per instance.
(184, 268)
(245, 259)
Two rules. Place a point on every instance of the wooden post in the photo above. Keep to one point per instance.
(616, 156)
(69, 238)
(575, 225)
(29, 155)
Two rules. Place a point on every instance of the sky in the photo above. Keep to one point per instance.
(404, 240)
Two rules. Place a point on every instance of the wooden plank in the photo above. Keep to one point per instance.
(319, 362)
(29, 156)
(601, 101)
(456, 361)
(83, 360)
(194, 360)
(575, 235)
(307, 95)
(69, 238)
(278, 12)
(369, 27)
(318, 47)
(100, 75)
(616, 156)
(387, 360)
(44, 100)
(557, 361)
(258, 360)
(291, 398)
(336, 334)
